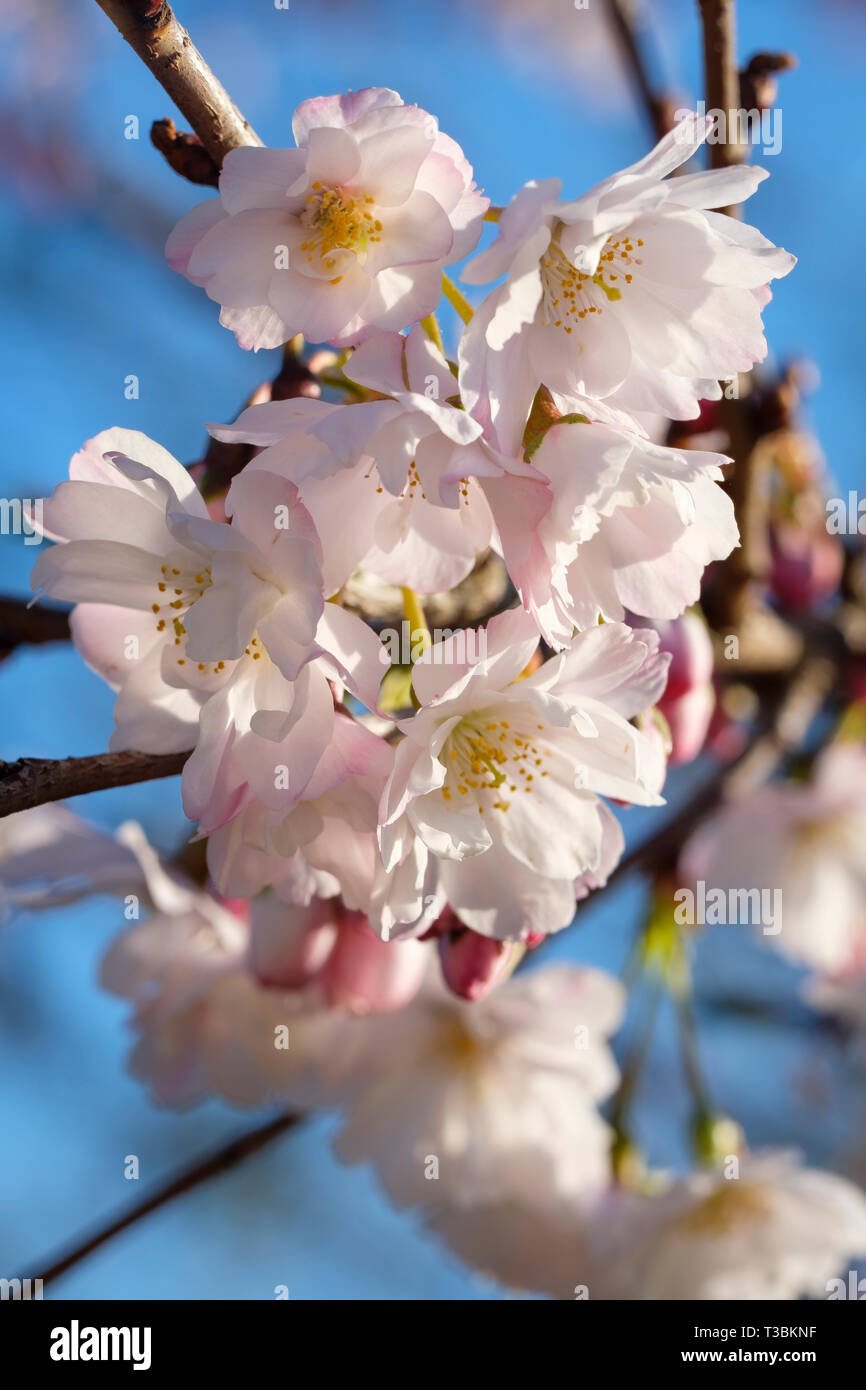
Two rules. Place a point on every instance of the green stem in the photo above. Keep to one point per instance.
(691, 1059)
(415, 617)
(342, 383)
(456, 299)
(635, 1059)
(433, 331)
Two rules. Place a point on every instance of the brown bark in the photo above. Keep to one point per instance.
(31, 782)
(151, 28)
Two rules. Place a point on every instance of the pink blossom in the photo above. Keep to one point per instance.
(345, 234)
(630, 525)
(494, 800)
(637, 291)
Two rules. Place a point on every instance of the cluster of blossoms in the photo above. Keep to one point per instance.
(376, 872)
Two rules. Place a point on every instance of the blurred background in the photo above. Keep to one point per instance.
(87, 301)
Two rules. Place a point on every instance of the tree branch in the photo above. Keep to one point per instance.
(19, 624)
(658, 107)
(218, 1163)
(31, 782)
(150, 27)
(722, 81)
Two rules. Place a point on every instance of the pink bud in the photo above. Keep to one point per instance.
(726, 736)
(689, 699)
(366, 975)
(689, 717)
(446, 922)
(691, 650)
(472, 964)
(806, 566)
(290, 945)
(239, 907)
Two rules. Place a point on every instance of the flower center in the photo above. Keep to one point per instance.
(413, 488)
(735, 1204)
(487, 759)
(178, 588)
(823, 832)
(569, 294)
(337, 222)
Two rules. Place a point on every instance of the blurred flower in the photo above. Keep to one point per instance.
(804, 841)
(473, 965)
(50, 855)
(206, 1026)
(327, 944)
(776, 1231)
(467, 1104)
(806, 564)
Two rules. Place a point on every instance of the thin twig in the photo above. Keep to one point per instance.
(658, 108)
(218, 1163)
(722, 91)
(722, 81)
(31, 782)
(150, 27)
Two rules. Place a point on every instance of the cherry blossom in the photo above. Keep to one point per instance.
(396, 485)
(239, 1004)
(501, 1094)
(806, 842)
(216, 636)
(689, 699)
(50, 856)
(771, 1230)
(637, 291)
(631, 526)
(347, 233)
(206, 1027)
(494, 800)
(775, 1230)
(372, 863)
(325, 842)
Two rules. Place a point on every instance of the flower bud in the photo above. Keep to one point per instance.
(289, 945)
(472, 965)
(364, 974)
(716, 1137)
(689, 698)
(806, 566)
